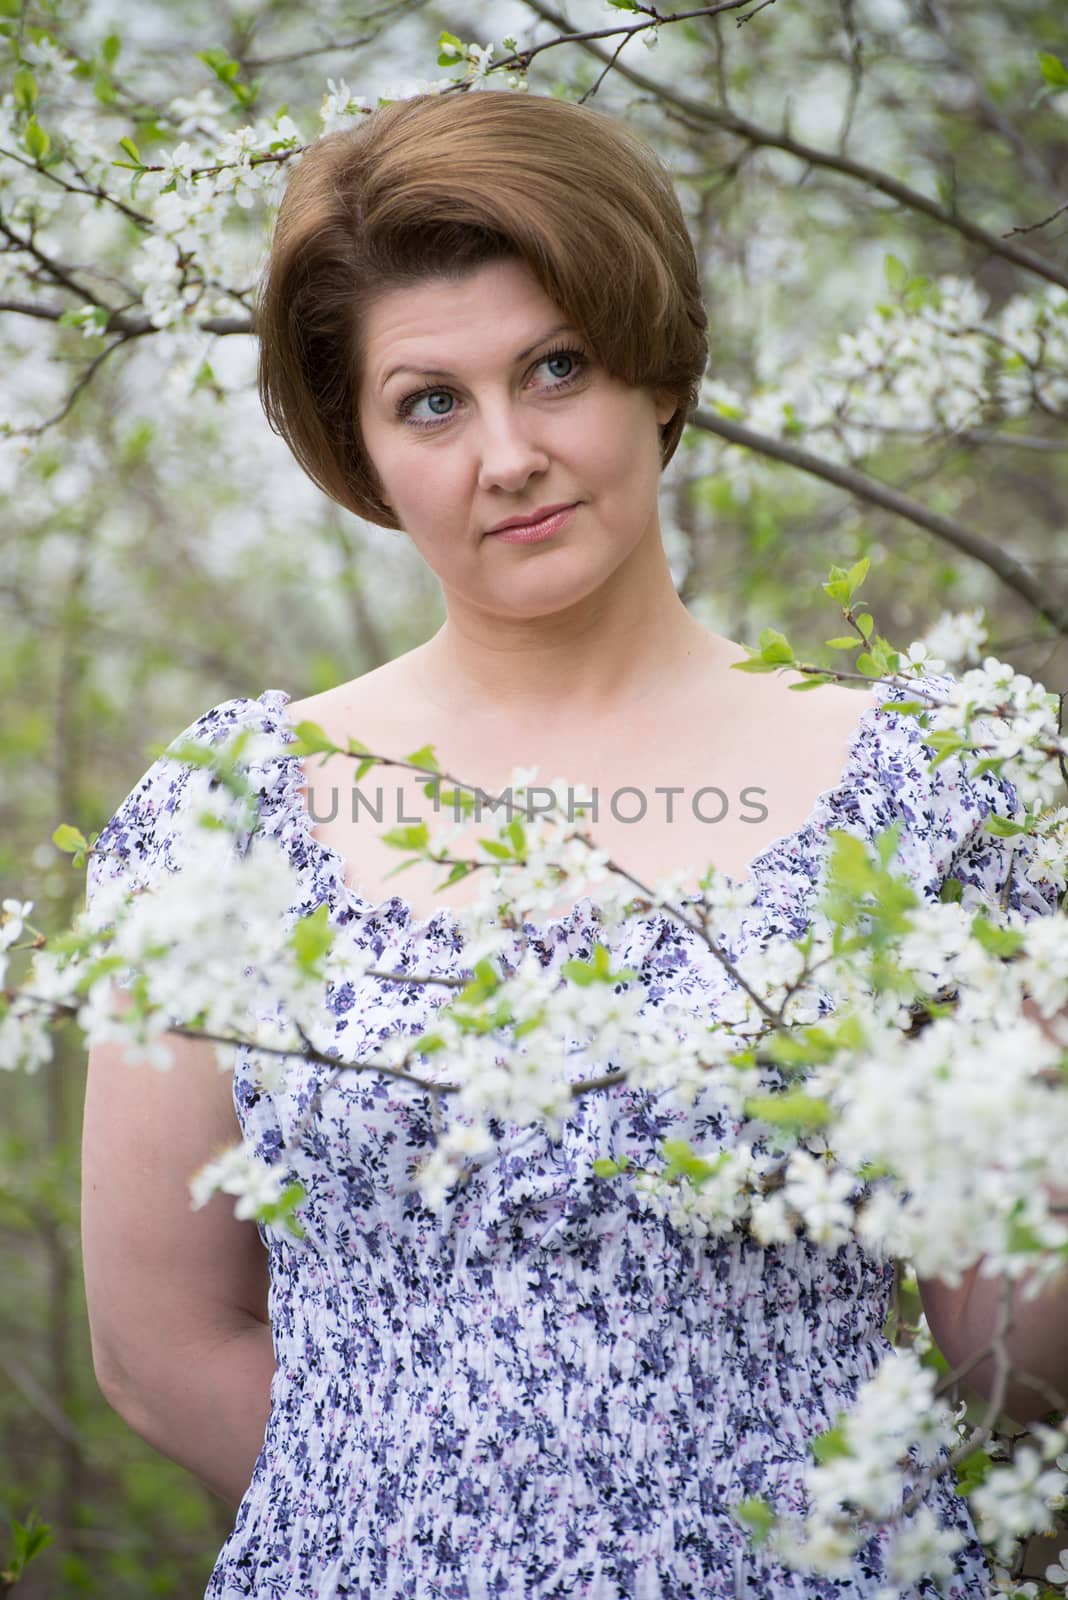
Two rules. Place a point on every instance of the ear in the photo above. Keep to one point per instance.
(666, 406)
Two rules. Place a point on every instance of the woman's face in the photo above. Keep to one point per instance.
(469, 418)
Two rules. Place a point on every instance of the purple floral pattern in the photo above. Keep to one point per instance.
(548, 1390)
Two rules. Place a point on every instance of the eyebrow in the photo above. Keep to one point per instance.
(439, 372)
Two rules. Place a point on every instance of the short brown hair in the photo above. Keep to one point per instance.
(436, 185)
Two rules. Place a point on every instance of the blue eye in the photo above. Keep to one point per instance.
(577, 359)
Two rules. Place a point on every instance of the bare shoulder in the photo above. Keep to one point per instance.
(356, 697)
(775, 697)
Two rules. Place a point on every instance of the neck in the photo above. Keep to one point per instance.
(600, 656)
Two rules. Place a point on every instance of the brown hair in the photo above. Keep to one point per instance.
(436, 185)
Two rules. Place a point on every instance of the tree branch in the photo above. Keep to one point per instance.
(872, 177)
(1011, 572)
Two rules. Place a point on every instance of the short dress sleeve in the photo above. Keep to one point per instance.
(155, 827)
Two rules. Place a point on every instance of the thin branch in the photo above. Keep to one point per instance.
(35, 430)
(1032, 227)
(389, 11)
(1011, 572)
(56, 270)
(27, 308)
(92, 190)
(589, 93)
(856, 73)
(749, 15)
(255, 63)
(719, 117)
(521, 59)
(965, 436)
(927, 12)
(40, 1400)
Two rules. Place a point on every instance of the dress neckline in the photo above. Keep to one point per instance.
(449, 918)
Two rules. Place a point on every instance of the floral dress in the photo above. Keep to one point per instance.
(548, 1391)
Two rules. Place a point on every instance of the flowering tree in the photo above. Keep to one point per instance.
(132, 213)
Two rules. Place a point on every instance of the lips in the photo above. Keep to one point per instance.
(535, 532)
(540, 515)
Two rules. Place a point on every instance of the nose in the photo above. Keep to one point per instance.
(510, 453)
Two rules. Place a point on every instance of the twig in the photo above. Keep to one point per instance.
(1011, 572)
(1032, 227)
(718, 116)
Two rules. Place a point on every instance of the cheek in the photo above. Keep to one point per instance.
(618, 457)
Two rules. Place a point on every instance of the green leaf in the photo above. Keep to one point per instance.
(951, 891)
(857, 573)
(68, 838)
(458, 801)
(110, 48)
(424, 757)
(830, 1446)
(793, 1109)
(36, 139)
(897, 274)
(757, 1515)
(450, 50)
(28, 1539)
(918, 293)
(605, 1167)
(1003, 826)
(973, 1470)
(596, 970)
(460, 869)
(812, 680)
(282, 1209)
(25, 87)
(220, 62)
(499, 851)
(865, 622)
(312, 740)
(311, 938)
(517, 834)
(775, 647)
(131, 150)
(104, 89)
(845, 642)
(999, 941)
(1053, 70)
(681, 1161)
(416, 837)
(866, 664)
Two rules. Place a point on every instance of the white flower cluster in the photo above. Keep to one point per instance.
(238, 1172)
(956, 639)
(185, 263)
(340, 107)
(1009, 716)
(719, 1204)
(895, 1415)
(932, 371)
(1020, 1496)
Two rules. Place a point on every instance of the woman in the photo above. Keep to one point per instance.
(481, 311)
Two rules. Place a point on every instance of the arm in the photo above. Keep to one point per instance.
(963, 1321)
(177, 1298)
